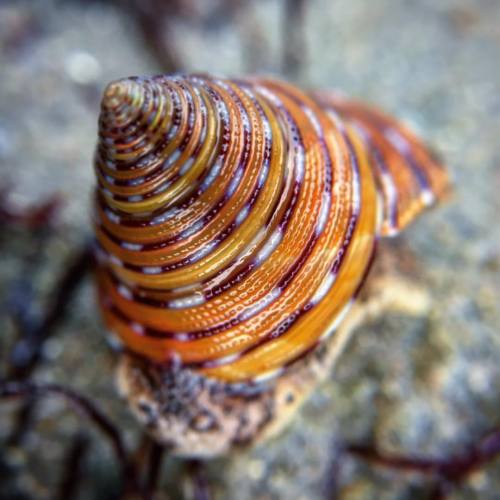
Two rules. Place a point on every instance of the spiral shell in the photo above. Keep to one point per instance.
(237, 219)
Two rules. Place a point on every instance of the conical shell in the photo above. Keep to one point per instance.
(237, 219)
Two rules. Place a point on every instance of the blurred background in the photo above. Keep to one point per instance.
(411, 385)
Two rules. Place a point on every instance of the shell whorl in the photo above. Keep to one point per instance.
(236, 219)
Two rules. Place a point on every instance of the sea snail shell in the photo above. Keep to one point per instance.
(236, 221)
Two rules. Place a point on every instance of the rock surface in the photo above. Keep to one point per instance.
(425, 385)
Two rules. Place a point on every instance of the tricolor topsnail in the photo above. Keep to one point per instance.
(236, 219)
